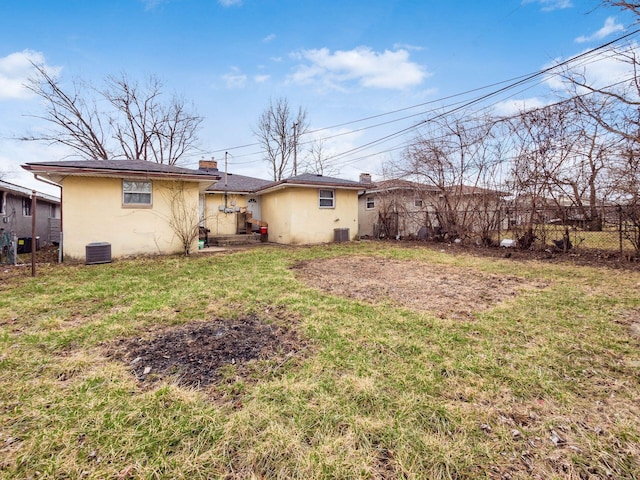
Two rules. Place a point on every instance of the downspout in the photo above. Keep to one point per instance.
(60, 247)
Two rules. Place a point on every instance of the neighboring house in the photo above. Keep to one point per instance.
(310, 208)
(16, 214)
(400, 208)
(133, 205)
(391, 208)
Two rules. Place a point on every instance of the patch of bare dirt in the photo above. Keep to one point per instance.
(47, 255)
(441, 289)
(631, 320)
(196, 354)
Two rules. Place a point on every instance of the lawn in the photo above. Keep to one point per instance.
(354, 360)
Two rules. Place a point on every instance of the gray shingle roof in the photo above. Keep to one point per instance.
(322, 180)
(238, 183)
(317, 180)
(26, 192)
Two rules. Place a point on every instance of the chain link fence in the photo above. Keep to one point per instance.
(609, 229)
(613, 229)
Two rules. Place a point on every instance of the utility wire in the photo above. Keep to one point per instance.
(481, 98)
(582, 59)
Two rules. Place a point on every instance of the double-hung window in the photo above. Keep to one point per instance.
(327, 198)
(136, 192)
(26, 207)
(371, 203)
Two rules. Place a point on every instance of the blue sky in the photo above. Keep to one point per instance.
(341, 60)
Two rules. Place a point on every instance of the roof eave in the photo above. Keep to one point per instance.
(231, 192)
(57, 173)
(302, 184)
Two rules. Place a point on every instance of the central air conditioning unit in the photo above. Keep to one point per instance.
(98, 252)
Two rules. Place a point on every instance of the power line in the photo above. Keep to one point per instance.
(582, 59)
(522, 80)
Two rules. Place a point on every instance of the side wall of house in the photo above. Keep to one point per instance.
(14, 221)
(295, 217)
(367, 217)
(94, 212)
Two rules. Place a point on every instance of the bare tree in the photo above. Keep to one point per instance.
(278, 132)
(633, 7)
(183, 218)
(124, 120)
(460, 156)
(585, 178)
(317, 160)
(543, 141)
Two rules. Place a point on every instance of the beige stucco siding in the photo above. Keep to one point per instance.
(295, 218)
(221, 223)
(94, 212)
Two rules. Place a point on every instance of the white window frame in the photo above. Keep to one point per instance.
(3, 203)
(370, 203)
(27, 206)
(324, 195)
(53, 210)
(136, 187)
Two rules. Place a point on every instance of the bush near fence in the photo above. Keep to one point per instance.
(619, 233)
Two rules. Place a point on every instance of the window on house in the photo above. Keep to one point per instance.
(26, 207)
(136, 192)
(3, 203)
(327, 199)
(371, 203)
(417, 202)
(53, 211)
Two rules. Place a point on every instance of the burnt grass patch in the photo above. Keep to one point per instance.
(201, 354)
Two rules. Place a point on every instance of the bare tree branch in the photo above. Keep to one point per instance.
(133, 123)
(278, 132)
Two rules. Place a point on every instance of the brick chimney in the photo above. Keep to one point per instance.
(365, 178)
(208, 165)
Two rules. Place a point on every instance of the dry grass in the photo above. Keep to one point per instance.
(538, 379)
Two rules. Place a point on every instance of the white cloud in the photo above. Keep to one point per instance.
(610, 26)
(512, 107)
(601, 71)
(235, 79)
(152, 4)
(269, 38)
(370, 69)
(230, 3)
(550, 5)
(406, 46)
(15, 70)
(14, 153)
(261, 78)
